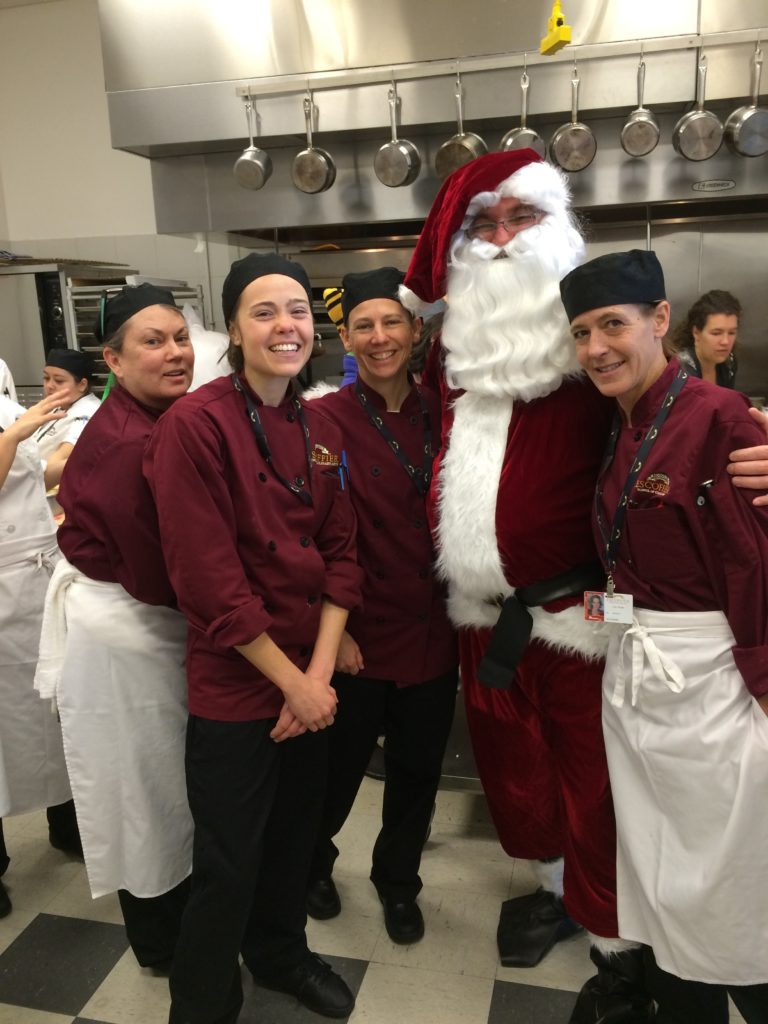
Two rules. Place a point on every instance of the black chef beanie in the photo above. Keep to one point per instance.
(79, 364)
(243, 271)
(128, 301)
(371, 284)
(616, 279)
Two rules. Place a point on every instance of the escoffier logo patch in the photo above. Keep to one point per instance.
(656, 483)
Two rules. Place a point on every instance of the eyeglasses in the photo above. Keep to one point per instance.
(486, 229)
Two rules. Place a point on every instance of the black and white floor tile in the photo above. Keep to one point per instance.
(64, 958)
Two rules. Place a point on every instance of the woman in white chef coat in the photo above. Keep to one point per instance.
(117, 670)
(70, 373)
(32, 770)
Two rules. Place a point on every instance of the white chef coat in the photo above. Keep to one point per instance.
(32, 769)
(67, 430)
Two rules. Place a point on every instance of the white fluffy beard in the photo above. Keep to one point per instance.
(505, 331)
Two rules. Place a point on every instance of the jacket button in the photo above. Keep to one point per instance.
(290, 417)
(271, 546)
(637, 436)
(375, 471)
(303, 652)
(378, 523)
(304, 541)
(419, 524)
(412, 420)
(299, 481)
(263, 477)
(269, 609)
(312, 599)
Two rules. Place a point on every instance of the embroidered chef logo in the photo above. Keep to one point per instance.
(656, 483)
(322, 457)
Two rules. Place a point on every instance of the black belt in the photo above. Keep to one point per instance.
(512, 631)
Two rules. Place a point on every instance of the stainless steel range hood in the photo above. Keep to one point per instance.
(176, 72)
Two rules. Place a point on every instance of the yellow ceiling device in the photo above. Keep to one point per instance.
(558, 33)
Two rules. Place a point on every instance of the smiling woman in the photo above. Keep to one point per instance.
(259, 538)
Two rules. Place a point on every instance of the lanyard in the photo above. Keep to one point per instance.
(611, 537)
(419, 477)
(259, 433)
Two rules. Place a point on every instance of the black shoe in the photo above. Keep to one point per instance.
(5, 902)
(315, 984)
(616, 994)
(403, 921)
(529, 926)
(323, 900)
(70, 844)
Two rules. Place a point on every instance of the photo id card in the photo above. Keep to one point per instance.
(594, 605)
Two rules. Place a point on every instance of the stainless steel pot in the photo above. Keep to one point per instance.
(640, 132)
(313, 170)
(398, 162)
(698, 134)
(461, 147)
(254, 166)
(524, 137)
(573, 146)
(746, 129)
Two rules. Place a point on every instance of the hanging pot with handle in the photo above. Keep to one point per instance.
(523, 137)
(398, 162)
(254, 166)
(746, 130)
(698, 134)
(313, 169)
(573, 146)
(461, 147)
(640, 133)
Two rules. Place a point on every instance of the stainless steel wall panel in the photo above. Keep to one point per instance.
(717, 16)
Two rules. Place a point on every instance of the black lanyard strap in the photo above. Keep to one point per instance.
(262, 443)
(419, 477)
(611, 536)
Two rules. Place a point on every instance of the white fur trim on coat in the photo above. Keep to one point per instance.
(319, 390)
(549, 874)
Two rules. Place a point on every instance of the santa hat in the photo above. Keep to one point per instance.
(478, 184)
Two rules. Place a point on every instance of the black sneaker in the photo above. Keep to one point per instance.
(315, 984)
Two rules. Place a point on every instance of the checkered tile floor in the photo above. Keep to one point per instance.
(64, 958)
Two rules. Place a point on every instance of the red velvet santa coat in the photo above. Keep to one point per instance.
(511, 503)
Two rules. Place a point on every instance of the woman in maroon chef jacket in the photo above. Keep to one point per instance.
(685, 689)
(397, 663)
(258, 535)
(120, 685)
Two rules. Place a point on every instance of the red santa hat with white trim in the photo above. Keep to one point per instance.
(478, 184)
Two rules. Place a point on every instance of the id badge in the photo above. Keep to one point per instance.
(618, 608)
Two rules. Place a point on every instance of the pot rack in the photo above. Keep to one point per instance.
(283, 85)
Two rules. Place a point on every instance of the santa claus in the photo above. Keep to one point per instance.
(511, 507)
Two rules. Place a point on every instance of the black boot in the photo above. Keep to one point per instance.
(529, 926)
(616, 995)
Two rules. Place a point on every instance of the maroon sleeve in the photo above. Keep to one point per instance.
(736, 551)
(185, 467)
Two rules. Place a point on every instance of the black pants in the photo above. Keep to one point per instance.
(693, 1002)
(416, 721)
(152, 923)
(61, 820)
(256, 808)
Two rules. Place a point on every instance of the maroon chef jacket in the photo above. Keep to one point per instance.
(402, 629)
(244, 554)
(543, 514)
(691, 540)
(110, 528)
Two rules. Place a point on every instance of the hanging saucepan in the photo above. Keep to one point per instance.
(573, 145)
(461, 147)
(746, 130)
(524, 137)
(640, 133)
(313, 169)
(698, 134)
(254, 166)
(397, 162)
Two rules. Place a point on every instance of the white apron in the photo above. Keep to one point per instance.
(687, 751)
(32, 770)
(122, 699)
